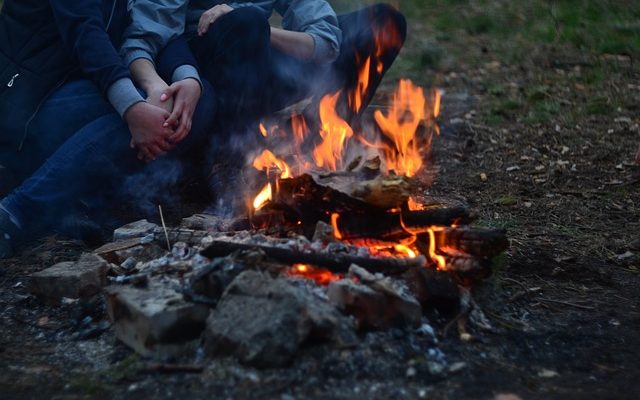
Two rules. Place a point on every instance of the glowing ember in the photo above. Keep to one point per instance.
(335, 132)
(263, 130)
(437, 258)
(263, 197)
(356, 97)
(319, 275)
(268, 160)
(414, 205)
(400, 126)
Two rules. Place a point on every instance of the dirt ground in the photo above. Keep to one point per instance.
(539, 137)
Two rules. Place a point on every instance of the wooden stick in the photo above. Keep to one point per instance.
(166, 234)
(338, 263)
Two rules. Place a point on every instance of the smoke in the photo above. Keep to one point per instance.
(155, 184)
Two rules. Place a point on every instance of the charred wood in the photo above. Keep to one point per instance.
(338, 263)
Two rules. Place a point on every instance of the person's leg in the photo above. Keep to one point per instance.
(92, 160)
(69, 108)
(375, 35)
(232, 55)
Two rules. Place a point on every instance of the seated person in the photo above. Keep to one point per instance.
(259, 69)
(48, 108)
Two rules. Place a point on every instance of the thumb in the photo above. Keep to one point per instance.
(169, 92)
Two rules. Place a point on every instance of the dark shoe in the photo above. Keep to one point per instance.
(82, 227)
(9, 234)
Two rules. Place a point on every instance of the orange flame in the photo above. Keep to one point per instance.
(263, 197)
(356, 97)
(263, 130)
(268, 160)
(334, 224)
(319, 275)
(299, 127)
(436, 103)
(335, 132)
(406, 251)
(400, 125)
(437, 258)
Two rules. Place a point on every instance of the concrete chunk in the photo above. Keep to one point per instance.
(154, 321)
(135, 229)
(264, 321)
(72, 279)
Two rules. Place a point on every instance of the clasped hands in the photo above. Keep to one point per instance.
(164, 120)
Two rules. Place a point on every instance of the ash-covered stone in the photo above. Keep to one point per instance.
(433, 289)
(137, 229)
(323, 233)
(264, 321)
(140, 253)
(205, 222)
(156, 320)
(368, 307)
(83, 278)
(399, 307)
(208, 283)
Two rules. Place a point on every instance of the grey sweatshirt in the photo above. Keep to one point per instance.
(154, 23)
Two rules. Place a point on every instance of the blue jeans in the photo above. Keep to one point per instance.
(95, 161)
(68, 109)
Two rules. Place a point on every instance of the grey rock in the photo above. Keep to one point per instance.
(367, 306)
(83, 278)
(137, 229)
(205, 222)
(264, 321)
(376, 301)
(155, 321)
(140, 253)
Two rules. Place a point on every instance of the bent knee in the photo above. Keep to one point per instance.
(246, 20)
(390, 20)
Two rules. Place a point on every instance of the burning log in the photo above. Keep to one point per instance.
(479, 242)
(337, 263)
(386, 225)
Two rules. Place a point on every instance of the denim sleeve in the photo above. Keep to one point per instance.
(318, 19)
(154, 23)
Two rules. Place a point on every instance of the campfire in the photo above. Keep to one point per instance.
(339, 236)
(365, 187)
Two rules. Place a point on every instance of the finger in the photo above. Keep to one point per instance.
(163, 145)
(156, 151)
(182, 131)
(169, 92)
(132, 144)
(203, 24)
(175, 115)
(146, 153)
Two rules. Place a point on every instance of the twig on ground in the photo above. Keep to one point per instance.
(164, 226)
(566, 303)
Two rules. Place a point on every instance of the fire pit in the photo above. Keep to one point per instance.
(339, 236)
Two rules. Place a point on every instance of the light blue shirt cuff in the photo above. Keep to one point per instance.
(323, 51)
(185, 72)
(122, 94)
(132, 55)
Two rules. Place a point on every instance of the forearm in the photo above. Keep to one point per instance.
(145, 75)
(296, 44)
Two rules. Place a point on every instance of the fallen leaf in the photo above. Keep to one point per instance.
(547, 373)
(483, 177)
(513, 168)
